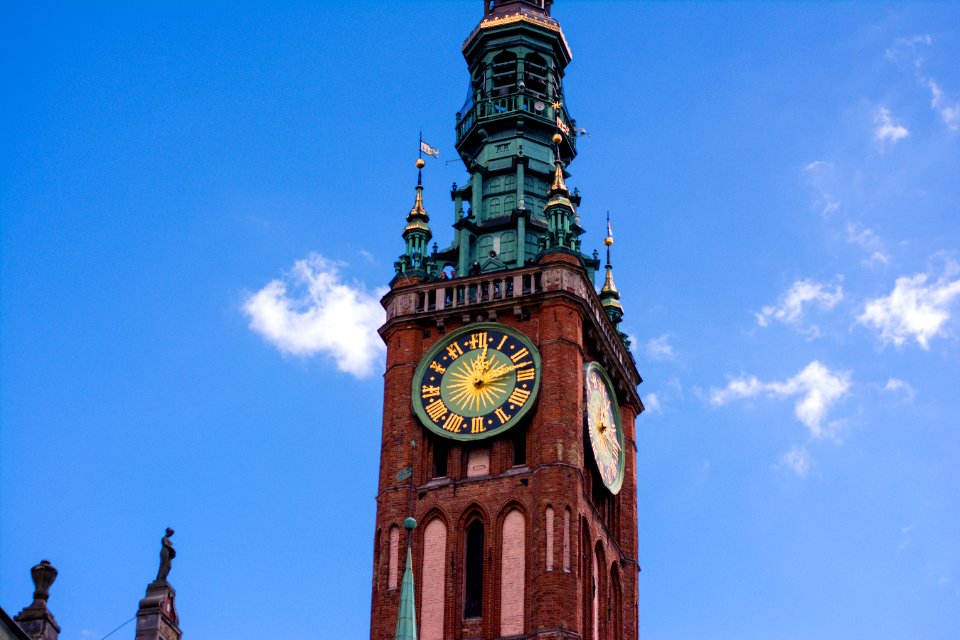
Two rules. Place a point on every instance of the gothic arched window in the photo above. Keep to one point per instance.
(512, 578)
(434, 580)
(393, 569)
(473, 571)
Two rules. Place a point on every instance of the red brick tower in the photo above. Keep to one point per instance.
(510, 393)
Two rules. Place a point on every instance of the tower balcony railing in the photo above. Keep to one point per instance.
(507, 105)
(507, 288)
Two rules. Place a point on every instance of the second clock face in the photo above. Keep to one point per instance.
(603, 426)
(476, 382)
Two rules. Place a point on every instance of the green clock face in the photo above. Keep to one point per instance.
(603, 426)
(476, 382)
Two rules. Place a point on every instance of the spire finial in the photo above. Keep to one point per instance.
(558, 186)
(609, 295)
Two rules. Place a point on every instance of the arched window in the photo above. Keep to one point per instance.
(548, 525)
(535, 74)
(434, 580)
(616, 602)
(394, 557)
(494, 207)
(509, 203)
(587, 584)
(601, 612)
(473, 571)
(504, 73)
(512, 570)
(566, 539)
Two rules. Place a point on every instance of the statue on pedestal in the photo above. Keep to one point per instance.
(167, 554)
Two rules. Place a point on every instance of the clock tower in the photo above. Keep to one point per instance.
(508, 452)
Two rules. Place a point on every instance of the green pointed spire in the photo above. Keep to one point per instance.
(609, 295)
(407, 614)
(415, 259)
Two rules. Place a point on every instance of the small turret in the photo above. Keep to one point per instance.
(561, 213)
(416, 235)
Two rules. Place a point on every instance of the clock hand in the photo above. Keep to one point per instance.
(502, 371)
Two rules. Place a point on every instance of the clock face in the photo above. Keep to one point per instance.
(603, 426)
(476, 382)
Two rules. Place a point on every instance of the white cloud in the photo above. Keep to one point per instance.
(916, 308)
(908, 48)
(949, 112)
(900, 388)
(885, 129)
(868, 240)
(660, 348)
(797, 460)
(313, 311)
(820, 172)
(816, 387)
(652, 403)
(790, 308)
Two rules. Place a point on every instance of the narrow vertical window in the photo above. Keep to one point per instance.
(473, 570)
(549, 529)
(394, 559)
(512, 571)
(440, 452)
(566, 539)
(519, 447)
(434, 580)
(377, 569)
(595, 598)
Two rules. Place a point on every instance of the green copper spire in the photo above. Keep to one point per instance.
(416, 236)
(564, 229)
(609, 295)
(407, 614)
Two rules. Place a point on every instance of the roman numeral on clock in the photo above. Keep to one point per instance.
(519, 355)
(476, 425)
(519, 397)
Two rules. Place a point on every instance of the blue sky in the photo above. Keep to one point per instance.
(188, 190)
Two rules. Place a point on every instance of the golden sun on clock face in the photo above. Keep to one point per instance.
(604, 428)
(476, 382)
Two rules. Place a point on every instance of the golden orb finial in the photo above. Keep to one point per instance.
(608, 241)
(420, 163)
(557, 138)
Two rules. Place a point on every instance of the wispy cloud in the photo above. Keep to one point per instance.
(886, 129)
(949, 111)
(311, 311)
(790, 308)
(900, 388)
(918, 308)
(869, 241)
(797, 460)
(660, 348)
(652, 403)
(816, 388)
(819, 173)
(911, 50)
